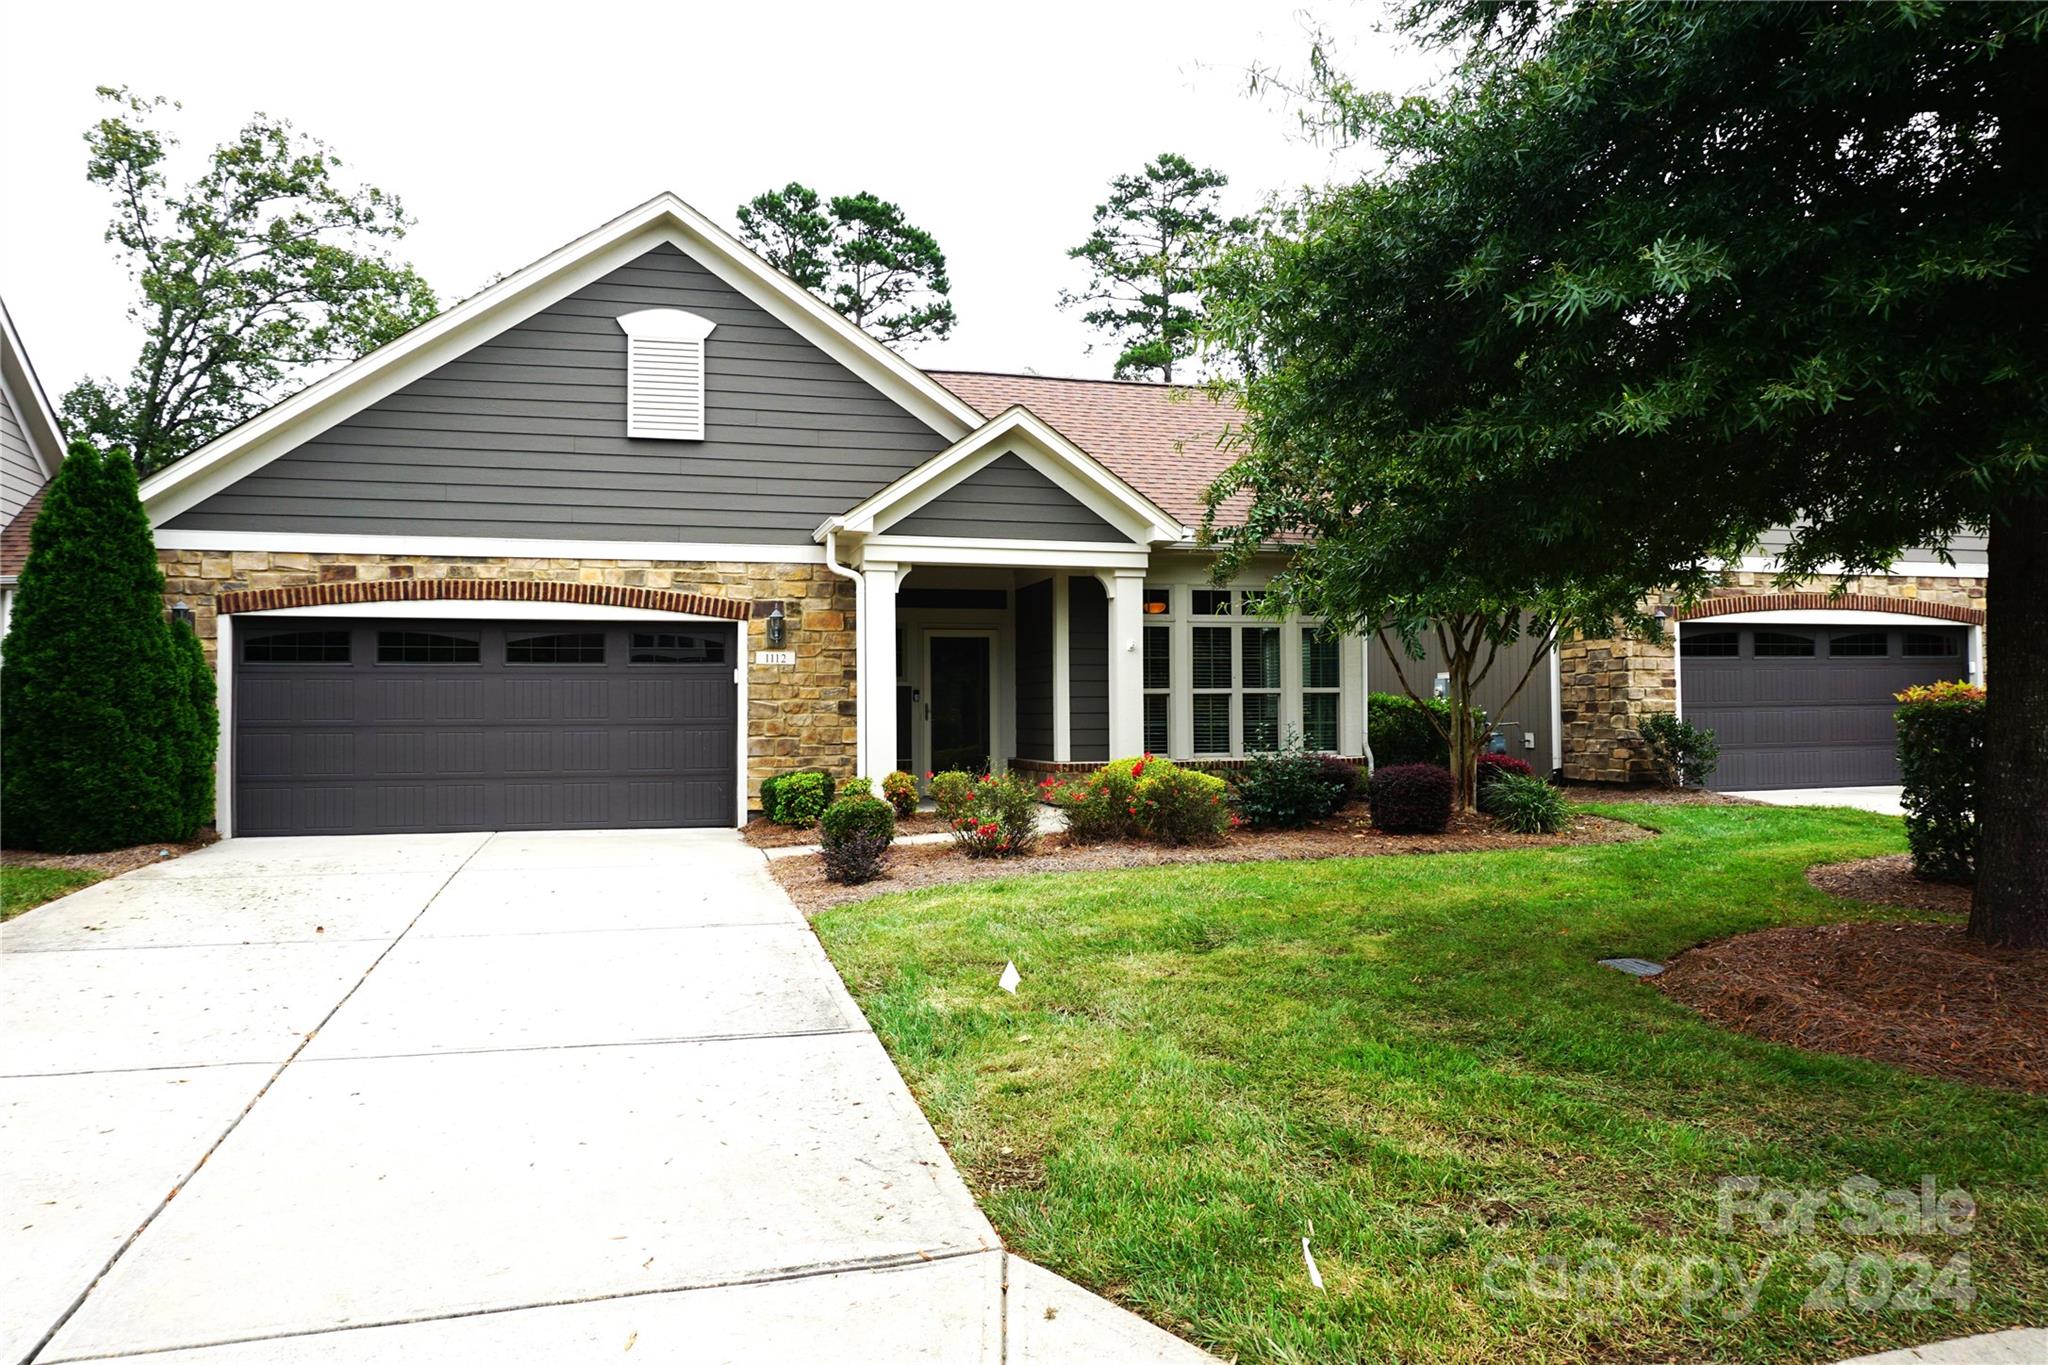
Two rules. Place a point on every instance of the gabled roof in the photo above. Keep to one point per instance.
(45, 435)
(1020, 431)
(664, 218)
(1161, 439)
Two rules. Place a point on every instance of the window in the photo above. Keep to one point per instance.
(1320, 675)
(1930, 644)
(555, 649)
(1772, 644)
(1158, 601)
(299, 647)
(675, 647)
(1260, 649)
(1211, 601)
(1863, 644)
(1211, 650)
(1158, 678)
(665, 374)
(421, 647)
(1708, 644)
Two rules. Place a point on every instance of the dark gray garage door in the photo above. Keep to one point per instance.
(1808, 706)
(348, 727)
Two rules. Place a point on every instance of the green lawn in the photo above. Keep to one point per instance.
(24, 888)
(1418, 1057)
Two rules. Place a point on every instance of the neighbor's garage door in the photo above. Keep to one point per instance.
(346, 727)
(1807, 706)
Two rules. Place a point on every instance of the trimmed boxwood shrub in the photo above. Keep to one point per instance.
(1180, 806)
(797, 798)
(1684, 754)
(899, 789)
(106, 742)
(1411, 798)
(856, 831)
(1941, 762)
(1525, 804)
(1288, 790)
(1400, 733)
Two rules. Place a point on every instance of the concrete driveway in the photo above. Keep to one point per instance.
(1883, 800)
(515, 1097)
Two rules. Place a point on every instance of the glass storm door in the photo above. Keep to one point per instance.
(959, 697)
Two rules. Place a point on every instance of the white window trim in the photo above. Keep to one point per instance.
(665, 359)
(1181, 621)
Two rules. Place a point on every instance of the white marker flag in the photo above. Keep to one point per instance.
(1009, 979)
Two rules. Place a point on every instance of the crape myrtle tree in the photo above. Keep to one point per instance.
(1641, 281)
(248, 280)
(110, 721)
(1150, 239)
(858, 253)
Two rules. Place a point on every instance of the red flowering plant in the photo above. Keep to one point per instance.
(999, 817)
(1103, 805)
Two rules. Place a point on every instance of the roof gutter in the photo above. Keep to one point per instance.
(860, 653)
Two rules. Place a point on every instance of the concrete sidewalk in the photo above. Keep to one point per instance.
(495, 1097)
(1882, 800)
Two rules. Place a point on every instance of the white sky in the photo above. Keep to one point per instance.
(509, 129)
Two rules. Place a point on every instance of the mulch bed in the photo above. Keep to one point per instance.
(762, 832)
(1919, 996)
(1609, 793)
(113, 862)
(1889, 881)
(1346, 835)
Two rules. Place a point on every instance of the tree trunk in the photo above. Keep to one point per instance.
(2011, 906)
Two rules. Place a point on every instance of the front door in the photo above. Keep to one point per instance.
(959, 701)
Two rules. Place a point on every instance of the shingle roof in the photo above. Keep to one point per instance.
(1162, 439)
(14, 539)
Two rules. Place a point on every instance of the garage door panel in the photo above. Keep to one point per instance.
(1818, 721)
(487, 744)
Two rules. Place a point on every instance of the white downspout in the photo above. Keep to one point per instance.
(860, 648)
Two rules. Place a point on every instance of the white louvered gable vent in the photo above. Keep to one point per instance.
(665, 373)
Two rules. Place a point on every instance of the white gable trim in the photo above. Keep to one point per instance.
(389, 368)
(25, 396)
(1016, 430)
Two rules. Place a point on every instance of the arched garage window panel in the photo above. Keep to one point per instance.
(665, 373)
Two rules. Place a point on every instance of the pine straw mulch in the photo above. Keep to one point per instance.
(1889, 881)
(1349, 834)
(114, 861)
(1589, 793)
(762, 832)
(1919, 996)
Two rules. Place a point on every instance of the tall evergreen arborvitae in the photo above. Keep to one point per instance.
(96, 716)
(197, 730)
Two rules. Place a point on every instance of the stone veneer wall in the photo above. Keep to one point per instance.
(1606, 684)
(798, 717)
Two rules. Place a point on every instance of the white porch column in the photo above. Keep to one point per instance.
(1062, 674)
(876, 748)
(1126, 590)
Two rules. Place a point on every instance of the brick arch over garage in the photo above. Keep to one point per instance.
(1821, 601)
(480, 590)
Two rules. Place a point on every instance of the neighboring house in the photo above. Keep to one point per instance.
(31, 448)
(646, 523)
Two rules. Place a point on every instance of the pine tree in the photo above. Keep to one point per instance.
(91, 751)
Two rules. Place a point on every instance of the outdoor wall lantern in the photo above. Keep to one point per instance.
(776, 622)
(181, 612)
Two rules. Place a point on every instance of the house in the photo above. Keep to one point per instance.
(646, 523)
(31, 448)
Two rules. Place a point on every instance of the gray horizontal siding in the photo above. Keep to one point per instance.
(1088, 671)
(1533, 712)
(1007, 499)
(1967, 547)
(20, 475)
(1034, 671)
(525, 436)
